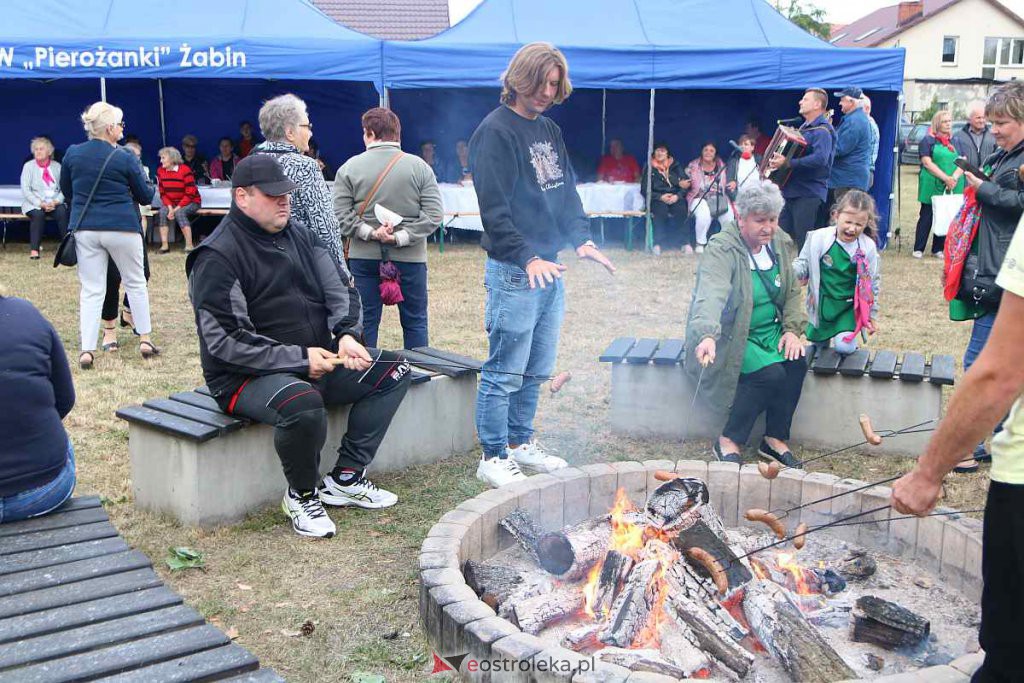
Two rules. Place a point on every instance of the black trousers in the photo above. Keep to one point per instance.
(1002, 598)
(296, 406)
(773, 390)
(114, 285)
(670, 224)
(924, 228)
(37, 222)
(799, 216)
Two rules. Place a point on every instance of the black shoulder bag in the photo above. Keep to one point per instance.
(67, 254)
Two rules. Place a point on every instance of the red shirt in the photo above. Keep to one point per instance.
(761, 144)
(244, 147)
(177, 187)
(623, 170)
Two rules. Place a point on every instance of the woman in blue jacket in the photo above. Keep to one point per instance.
(109, 227)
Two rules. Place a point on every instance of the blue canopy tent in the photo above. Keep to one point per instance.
(189, 66)
(713, 64)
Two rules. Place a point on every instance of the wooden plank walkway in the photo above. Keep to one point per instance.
(76, 603)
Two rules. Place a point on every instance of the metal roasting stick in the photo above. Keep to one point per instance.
(696, 392)
(558, 379)
(893, 519)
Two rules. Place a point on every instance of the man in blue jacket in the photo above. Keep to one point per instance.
(851, 169)
(807, 187)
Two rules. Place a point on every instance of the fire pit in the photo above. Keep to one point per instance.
(605, 573)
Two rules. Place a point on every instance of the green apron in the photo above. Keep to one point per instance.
(928, 185)
(765, 327)
(838, 284)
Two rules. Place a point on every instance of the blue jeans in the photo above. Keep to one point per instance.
(522, 327)
(412, 312)
(39, 501)
(979, 337)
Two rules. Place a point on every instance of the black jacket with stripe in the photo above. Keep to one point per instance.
(262, 299)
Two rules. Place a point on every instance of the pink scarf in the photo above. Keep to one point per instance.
(45, 165)
(958, 243)
(863, 296)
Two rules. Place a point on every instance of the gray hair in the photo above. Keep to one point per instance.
(760, 198)
(1007, 101)
(41, 140)
(279, 114)
(173, 155)
(976, 106)
(864, 102)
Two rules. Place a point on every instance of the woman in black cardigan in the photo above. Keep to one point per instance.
(667, 201)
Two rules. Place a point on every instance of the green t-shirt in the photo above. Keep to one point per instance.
(1008, 445)
(765, 327)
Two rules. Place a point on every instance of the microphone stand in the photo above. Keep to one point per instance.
(704, 194)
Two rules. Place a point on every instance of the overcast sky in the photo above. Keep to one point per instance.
(837, 11)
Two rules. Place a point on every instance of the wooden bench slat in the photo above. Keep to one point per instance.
(120, 658)
(92, 636)
(883, 365)
(56, 537)
(450, 357)
(912, 369)
(217, 419)
(642, 351)
(419, 376)
(826, 362)
(204, 390)
(79, 503)
(194, 398)
(434, 364)
(669, 352)
(809, 352)
(261, 676)
(51, 557)
(617, 350)
(170, 424)
(71, 572)
(943, 370)
(54, 520)
(855, 364)
(90, 612)
(80, 591)
(208, 665)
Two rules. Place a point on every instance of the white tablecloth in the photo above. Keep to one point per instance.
(598, 199)
(10, 197)
(213, 197)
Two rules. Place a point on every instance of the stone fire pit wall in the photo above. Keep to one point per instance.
(456, 622)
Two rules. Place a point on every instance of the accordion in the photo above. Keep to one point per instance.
(789, 143)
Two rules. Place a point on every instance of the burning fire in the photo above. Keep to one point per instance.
(627, 537)
(788, 562)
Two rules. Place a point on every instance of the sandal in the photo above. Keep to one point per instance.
(112, 345)
(86, 364)
(164, 250)
(125, 323)
(966, 468)
(148, 352)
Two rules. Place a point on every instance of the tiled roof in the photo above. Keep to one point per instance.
(389, 19)
(881, 25)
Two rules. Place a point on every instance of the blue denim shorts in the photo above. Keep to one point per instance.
(43, 499)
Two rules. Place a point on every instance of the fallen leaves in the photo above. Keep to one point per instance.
(184, 558)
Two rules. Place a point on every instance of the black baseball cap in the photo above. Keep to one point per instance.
(853, 91)
(262, 171)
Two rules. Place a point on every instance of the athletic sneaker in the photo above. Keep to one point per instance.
(699, 249)
(498, 472)
(308, 515)
(657, 250)
(939, 254)
(918, 254)
(768, 453)
(533, 458)
(716, 451)
(360, 492)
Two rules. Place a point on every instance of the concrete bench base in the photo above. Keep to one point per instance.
(221, 480)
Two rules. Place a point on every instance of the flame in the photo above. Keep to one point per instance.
(590, 590)
(787, 562)
(627, 537)
(650, 634)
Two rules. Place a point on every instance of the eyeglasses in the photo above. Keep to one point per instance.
(121, 123)
(307, 125)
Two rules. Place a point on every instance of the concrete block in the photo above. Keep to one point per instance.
(471, 547)
(816, 486)
(460, 516)
(454, 619)
(603, 483)
(695, 469)
(439, 560)
(222, 480)
(724, 487)
(874, 532)
(437, 598)
(755, 492)
(575, 495)
(503, 510)
(498, 503)
(447, 530)
(551, 491)
(429, 579)
(441, 544)
(787, 489)
(845, 506)
(972, 568)
(527, 495)
(969, 663)
(511, 657)
(603, 673)
(477, 504)
(633, 480)
(903, 535)
(929, 541)
(652, 466)
(558, 665)
(654, 401)
(954, 552)
(478, 637)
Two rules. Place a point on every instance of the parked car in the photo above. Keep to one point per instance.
(909, 153)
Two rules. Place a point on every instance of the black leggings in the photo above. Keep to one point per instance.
(37, 222)
(773, 390)
(295, 406)
(670, 224)
(114, 286)
(924, 228)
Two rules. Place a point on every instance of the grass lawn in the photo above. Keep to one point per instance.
(359, 589)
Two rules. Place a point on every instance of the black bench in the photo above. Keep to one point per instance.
(76, 603)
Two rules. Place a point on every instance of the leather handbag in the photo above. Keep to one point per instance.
(67, 253)
(976, 288)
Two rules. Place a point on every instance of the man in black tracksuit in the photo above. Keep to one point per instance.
(276, 318)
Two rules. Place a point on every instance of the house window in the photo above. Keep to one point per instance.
(949, 45)
(1003, 52)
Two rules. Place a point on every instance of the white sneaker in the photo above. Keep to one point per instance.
(939, 254)
(530, 456)
(918, 254)
(307, 514)
(656, 250)
(497, 472)
(687, 249)
(699, 249)
(362, 493)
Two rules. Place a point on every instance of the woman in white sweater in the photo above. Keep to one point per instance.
(41, 196)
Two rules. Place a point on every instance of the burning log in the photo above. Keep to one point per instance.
(785, 633)
(492, 584)
(535, 614)
(680, 647)
(614, 571)
(524, 529)
(887, 624)
(676, 504)
(646, 660)
(584, 639)
(633, 606)
(701, 535)
(531, 586)
(570, 553)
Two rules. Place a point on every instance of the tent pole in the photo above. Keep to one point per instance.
(163, 123)
(385, 99)
(604, 120)
(895, 189)
(648, 228)
(103, 89)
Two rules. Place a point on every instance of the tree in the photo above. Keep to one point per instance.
(809, 17)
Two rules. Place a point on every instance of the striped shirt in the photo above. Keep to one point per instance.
(177, 186)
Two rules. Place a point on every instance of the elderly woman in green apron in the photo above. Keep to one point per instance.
(938, 174)
(743, 334)
(840, 265)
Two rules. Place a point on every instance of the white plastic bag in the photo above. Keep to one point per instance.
(386, 215)
(944, 210)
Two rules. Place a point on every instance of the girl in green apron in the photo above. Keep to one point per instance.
(938, 174)
(840, 266)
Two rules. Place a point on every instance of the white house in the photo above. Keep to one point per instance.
(957, 50)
